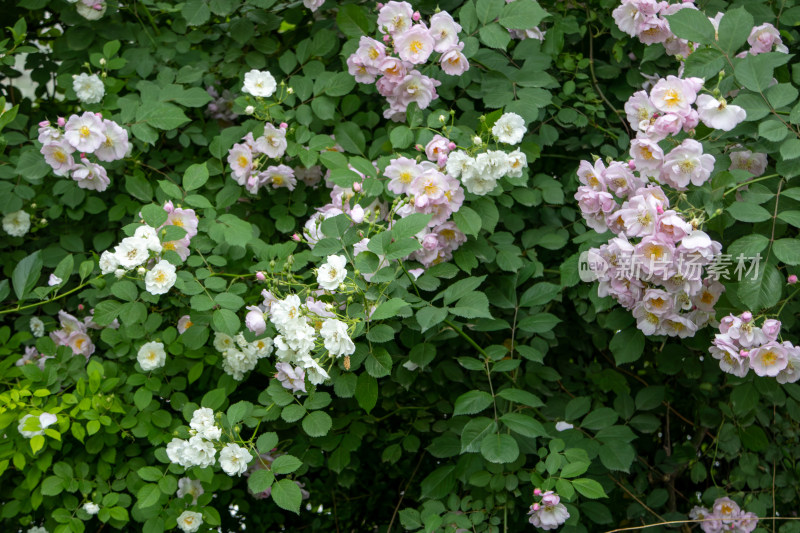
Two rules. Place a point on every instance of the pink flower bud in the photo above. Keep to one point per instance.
(451, 145)
(97, 7)
(632, 164)
(98, 114)
(61, 121)
(747, 316)
(80, 307)
(441, 160)
(296, 237)
(260, 276)
(535, 506)
(380, 5)
(169, 207)
(284, 125)
(83, 155)
(659, 209)
(416, 16)
(44, 124)
(791, 280)
(632, 56)
(744, 353)
(357, 186)
(386, 39)
(418, 147)
(537, 492)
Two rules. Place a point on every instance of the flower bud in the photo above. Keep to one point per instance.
(249, 110)
(284, 125)
(44, 124)
(386, 39)
(290, 91)
(141, 271)
(357, 186)
(477, 141)
(61, 121)
(537, 492)
(416, 16)
(260, 276)
(296, 237)
(80, 307)
(43, 222)
(747, 316)
(744, 353)
(791, 280)
(451, 145)
(102, 60)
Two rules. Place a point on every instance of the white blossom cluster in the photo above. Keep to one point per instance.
(88, 87)
(479, 173)
(200, 450)
(17, 223)
(240, 356)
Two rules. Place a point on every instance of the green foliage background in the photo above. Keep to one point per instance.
(508, 340)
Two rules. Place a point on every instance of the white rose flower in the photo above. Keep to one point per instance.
(189, 521)
(91, 508)
(93, 12)
(332, 273)
(89, 88)
(222, 342)
(131, 252)
(37, 529)
(517, 161)
(150, 238)
(17, 224)
(337, 341)
(37, 327)
(198, 452)
(151, 356)
(510, 128)
(204, 424)
(282, 312)
(315, 373)
(108, 262)
(175, 453)
(190, 486)
(161, 278)
(259, 83)
(234, 459)
(54, 280)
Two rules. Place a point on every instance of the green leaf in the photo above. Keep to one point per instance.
(692, 25)
(488, 10)
(52, 486)
(589, 487)
(500, 448)
(238, 412)
(267, 442)
(600, 418)
(317, 423)
(439, 483)
(196, 12)
(427, 317)
(195, 176)
(214, 399)
(150, 473)
(162, 115)
(409, 226)
(260, 480)
(389, 309)
(401, 137)
(474, 431)
(286, 494)
(286, 464)
(226, 321)
(142, 399)
(472, 402)
(352, 21)
(154, 215)
(26, 274)
(366, 391)
(790, 149)
(538, 323)
(521, 397)
(468, 221)
(523, 424)
(787, 250)
(522, 15)
(772, 130)
(753, 72)
(747, 212)
(734, 29)
(106, 311)
(495, 36)
(350, 137)
(627, 345)
(148, 495)
(705, 63)
(763, 290)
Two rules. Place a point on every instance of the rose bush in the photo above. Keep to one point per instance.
(467, 266)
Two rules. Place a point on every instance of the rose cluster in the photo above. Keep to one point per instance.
(741, 346)
(659, 275)
(668, 109)
(88, 133)
(200, 449)
(248, 158)
(646, 20)
(479, 172)
(240, 356)
(549, 512)
(141, 251)
(407, 43)
(725, 515)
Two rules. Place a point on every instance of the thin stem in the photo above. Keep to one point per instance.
(37, 304)
(743, 184)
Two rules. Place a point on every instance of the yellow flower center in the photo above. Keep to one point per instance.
(60, 156)
(85, 131)
(672, 98)
(243, 162)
